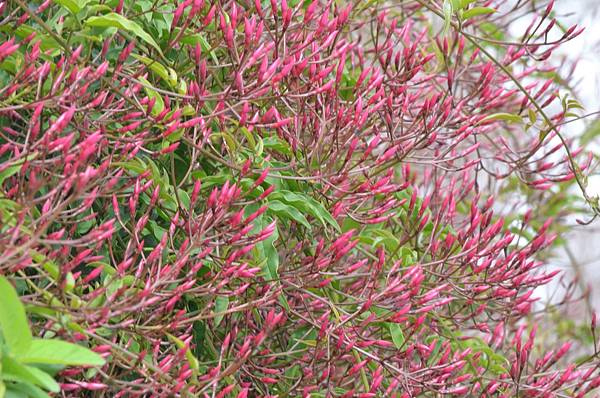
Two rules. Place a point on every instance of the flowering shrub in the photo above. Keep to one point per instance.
(284, 199)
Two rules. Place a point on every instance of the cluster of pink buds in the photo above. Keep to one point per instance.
(289, 198)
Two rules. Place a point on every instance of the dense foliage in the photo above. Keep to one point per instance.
(329, 199)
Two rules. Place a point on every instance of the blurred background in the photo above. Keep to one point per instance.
(581, 254)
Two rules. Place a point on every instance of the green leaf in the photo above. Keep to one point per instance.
(120, 22)
(25, 390)
(408, 255)
(532, 116)
(306, 204)
(198, 38)
(277, 144)
(272, 255)
(221, 304)
(159, 105)
(384, 236)
(60, 353)
(14, 371)
(229, 139)
(47, 42)
(52, 269)
(508, 117)
(465, 3)
(476, 11)
(249, 138)
(72, 5)
(9, 172)
(397, 334)
(267, 253)
(136, 165)
(167, 74)
(282, 210)
(13, 320)
(14, 169)
(433, 355)
(189, 355)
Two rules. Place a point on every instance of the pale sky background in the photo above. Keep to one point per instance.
(584, 242)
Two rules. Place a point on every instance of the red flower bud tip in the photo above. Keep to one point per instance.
(62, 121)
(267, 192)
(549, 8)
(261, 178)
(170, 148)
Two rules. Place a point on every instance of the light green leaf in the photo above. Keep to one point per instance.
(532, 116)
(476, 11)
(14, 371)
(508, 117)
(189, 355)
(458, 5)
(397, 334)
(465, 3)
(25, 390)
(574, 104)
(221, 304)
(72, 5)
(13, 320)
(408, 256)
(52, 269)
(13, 169)
(9, 172)
(60, 353)
(118, 21)
(181, 86)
